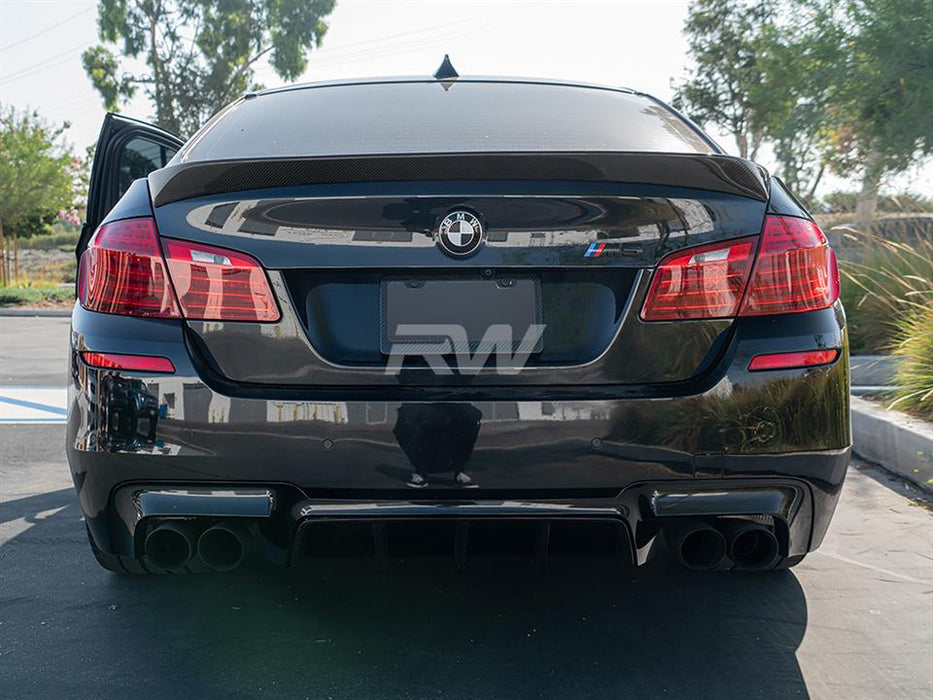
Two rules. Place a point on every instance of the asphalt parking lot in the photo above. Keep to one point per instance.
(855, 620)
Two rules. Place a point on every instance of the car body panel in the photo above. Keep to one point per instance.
(531, 442)
(327, 248)
(297, 422)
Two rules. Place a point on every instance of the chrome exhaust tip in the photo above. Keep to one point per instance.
(223, 546)
(170, 545)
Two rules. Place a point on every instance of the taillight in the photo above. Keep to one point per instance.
(795, 270)
(123, 271)
(214, 284)
(792, 360)
(702, 282)
(141, 363)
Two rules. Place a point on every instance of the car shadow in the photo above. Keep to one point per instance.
(584, 628)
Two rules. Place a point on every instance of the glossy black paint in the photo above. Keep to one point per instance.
(578, 444)
(288, 423)
(713, 172)
(544, 224)
(782, 201)
(327, 248)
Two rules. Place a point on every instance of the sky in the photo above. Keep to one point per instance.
(626, 43)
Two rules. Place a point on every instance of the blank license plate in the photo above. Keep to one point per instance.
(473, 305)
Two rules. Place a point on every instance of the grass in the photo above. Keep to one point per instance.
(888, 295)
(36, 295)
(52, 273)
(58, 240)
(891, 280)
(915, 374)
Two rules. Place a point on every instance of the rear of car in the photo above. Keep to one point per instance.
(474, 316)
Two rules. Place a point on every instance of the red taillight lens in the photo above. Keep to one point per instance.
(122, 272)
(141, 363)
(703, 282)
(790, 360)
(795, 271)
(214, 284)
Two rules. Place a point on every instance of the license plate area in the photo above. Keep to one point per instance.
(427, 315)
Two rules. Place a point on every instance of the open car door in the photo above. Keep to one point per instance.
(126, 150)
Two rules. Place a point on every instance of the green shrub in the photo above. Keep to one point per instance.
(892, 281)
(893, 203)
(51, 273)
(58, 240)
(27, 295)
(915, 374)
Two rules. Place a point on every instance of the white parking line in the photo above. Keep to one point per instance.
(33, 404)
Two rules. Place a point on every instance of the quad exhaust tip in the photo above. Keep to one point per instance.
(170, 545)
(698, 546)
(223, 546)
(702, 546)
(751, 546)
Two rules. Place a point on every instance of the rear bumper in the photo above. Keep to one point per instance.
(292, 524)
(606, 448)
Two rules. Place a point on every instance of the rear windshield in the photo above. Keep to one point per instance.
(424, 117)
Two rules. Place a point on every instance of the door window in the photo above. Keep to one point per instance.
(139, 158)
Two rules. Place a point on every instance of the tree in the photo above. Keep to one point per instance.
(751, 79)
(845, 85)
(881, 95)
(792, 103)
(725, 40)
(36, 178)
(200, 55)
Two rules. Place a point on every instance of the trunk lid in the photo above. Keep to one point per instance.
(574, 257)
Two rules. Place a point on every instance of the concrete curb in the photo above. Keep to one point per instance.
(873, 371)
(59, 313)
(896, 441)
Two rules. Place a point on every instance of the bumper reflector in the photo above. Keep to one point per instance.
(791, 360)
(139, 363)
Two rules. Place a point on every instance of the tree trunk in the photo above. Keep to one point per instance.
(741, 140)
(866, 202)
(15, 256)
(816, 182)
(2, 256)
(756, 144)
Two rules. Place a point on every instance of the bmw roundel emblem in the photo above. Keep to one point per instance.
(460, 233)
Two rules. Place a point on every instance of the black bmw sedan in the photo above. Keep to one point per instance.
(467, 316)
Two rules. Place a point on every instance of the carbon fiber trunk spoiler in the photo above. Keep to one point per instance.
(718, 173)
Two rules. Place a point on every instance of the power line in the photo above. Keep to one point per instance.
(407, 47)
(47, 29)
(356, 52)
(85, 95)
(350, 53)
(43, 65)
(392, 38)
